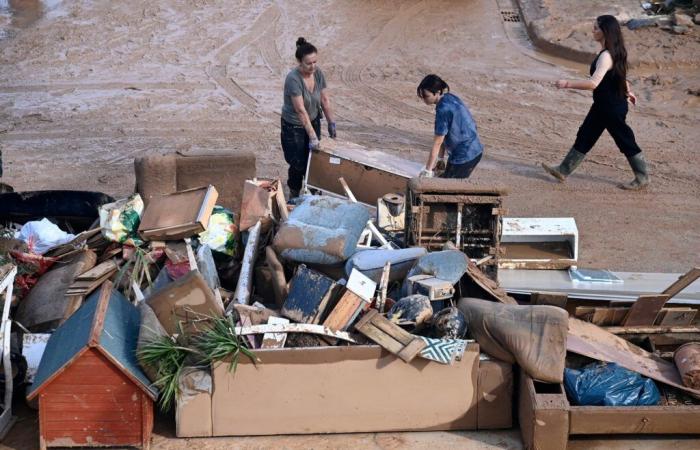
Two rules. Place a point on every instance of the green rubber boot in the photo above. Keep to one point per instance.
(641, 174)
(568, 165)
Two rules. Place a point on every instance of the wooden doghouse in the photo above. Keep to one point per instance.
(90, 387)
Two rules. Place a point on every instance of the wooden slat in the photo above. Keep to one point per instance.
(390, 336)
(99, 271)
(676, 317)
(640, 419)
(80, 397)
(644, 311)
(57, 423)
(683, 282)
(92, 389)
(345, 310)
(98, 413)
(59, 438)
(99, 319)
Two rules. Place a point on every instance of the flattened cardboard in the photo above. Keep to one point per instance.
(193, 409)
(178, 215)
(342, 390)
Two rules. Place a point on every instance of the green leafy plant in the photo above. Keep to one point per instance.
(220, 341)
(168, 358)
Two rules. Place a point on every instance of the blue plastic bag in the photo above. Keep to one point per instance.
(607, 384)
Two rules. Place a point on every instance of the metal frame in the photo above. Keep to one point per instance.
(6, 417)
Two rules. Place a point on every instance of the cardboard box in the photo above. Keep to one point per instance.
(547, 419)
(369, 173)
(178, 215)
(354, 389)
(494, 405)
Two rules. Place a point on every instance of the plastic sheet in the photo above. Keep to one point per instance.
(607, 384)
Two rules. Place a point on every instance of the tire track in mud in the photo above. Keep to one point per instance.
(135, 85)
(218, 69)
(351, 76)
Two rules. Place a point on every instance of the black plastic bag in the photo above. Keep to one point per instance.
(607, 384)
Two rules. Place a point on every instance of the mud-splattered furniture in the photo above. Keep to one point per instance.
(90, 388)
(440, 210)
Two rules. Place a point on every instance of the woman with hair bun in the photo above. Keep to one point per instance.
(306, 99)
(611, 91)
(455, 130)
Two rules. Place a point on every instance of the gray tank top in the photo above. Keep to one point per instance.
(294, 86)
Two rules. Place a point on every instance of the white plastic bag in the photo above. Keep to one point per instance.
(43, 235)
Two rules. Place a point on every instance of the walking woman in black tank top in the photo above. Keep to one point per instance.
(611, 93)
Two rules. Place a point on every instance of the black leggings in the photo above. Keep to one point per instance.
(609, 117)
(295, 144)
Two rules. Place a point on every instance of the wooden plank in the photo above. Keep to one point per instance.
(146, 421)
(99, 319)
(636, 420)
(592, 341)
(99, 271)
(79, 397)
(682, 282)
(676, 317)
(343, 313)
(95, 438)
(390, 336)
(275, 340)
(102, 412)
(688, 330)
(116, 427)
(644, 310)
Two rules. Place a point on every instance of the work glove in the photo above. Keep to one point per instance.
(425, 173)
(331, 130)
(314, 143)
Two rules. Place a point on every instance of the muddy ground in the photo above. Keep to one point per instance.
(87, 86)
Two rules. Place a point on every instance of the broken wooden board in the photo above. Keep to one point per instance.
(592, 341)
(295, 328)
(644, 311)
(676, 317)
(344, 312)
(682, 282)
(275, 340)
(491, 287)
(99, 271)
(390, 336)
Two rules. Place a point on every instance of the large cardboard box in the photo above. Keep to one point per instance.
(353, 389)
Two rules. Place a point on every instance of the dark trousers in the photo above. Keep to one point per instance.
(295, 145)
(609, 117)
(460, 170)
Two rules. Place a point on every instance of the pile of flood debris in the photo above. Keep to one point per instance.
(154, 295)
